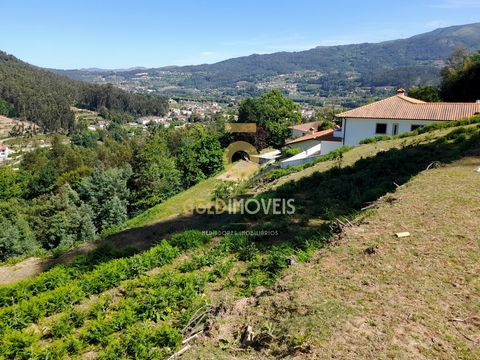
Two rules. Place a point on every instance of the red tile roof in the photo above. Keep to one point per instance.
(306, 126)
(326, 135)
(402, 107)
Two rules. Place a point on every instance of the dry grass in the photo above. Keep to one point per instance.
(6, 125)
(414, 298)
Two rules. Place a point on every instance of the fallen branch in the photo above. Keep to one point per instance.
(434, 164)
(476, 318)
(398, 186)
(465, 336)
(373, 205)
(192, 337)
(179, 352)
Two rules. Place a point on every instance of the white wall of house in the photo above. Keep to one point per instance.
(4, 154)
(328, 146)
(304, 145)
(303, 157)
(355, 130)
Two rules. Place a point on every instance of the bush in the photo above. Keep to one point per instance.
(375, 139)
(16, 238)
(147, 341)
(189, 239)
(228, 189)
(289, 152)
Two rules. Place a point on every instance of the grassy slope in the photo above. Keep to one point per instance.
(359, 152)
(399, 303)
(176, 205)
(201, 193)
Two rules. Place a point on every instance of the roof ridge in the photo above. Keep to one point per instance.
(410, 99)
(449, 103)
(370, 104)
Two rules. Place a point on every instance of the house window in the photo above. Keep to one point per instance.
(381, 129)
(415, 127)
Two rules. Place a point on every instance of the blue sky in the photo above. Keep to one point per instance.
(125, 33)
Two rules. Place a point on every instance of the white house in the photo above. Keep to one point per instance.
(312, 145)
(304, 129)
(328, 139)
(398, 114)
(5, 151)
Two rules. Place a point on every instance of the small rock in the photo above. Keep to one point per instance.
(402, 234)
(370, 250)
(247, 336)
(478, 169)
(291, 260)
(46, 331)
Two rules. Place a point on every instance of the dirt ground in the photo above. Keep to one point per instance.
(373, 295)
(240, 170)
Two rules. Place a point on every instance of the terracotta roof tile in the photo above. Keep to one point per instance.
(326, 135)
(403, 107)
(306, 126)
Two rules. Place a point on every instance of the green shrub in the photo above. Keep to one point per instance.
(97, 331)
(375, 139)
(73, 345)
(248, 252)
(189, 239)
(276, 260)
(147, 341)
(229, 189)
(67, 322)
(289, 152)
(221, 270)
(17, 344)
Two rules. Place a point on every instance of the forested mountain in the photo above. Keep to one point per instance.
(323, 71)
(45, 98)
(369, 60)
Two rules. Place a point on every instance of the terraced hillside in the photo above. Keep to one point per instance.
(331, 281)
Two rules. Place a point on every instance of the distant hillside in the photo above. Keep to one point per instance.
(324, 70)
(45, 98)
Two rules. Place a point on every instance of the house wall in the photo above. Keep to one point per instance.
(328, 146)
(356, 130)
(302, 158)
(304, 145)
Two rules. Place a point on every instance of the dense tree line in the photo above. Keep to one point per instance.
(460, 80)
(71, 193)
(45, 98)
(461, 77)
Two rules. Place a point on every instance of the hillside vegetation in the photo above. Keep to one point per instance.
(112, 303)
(45, 98)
